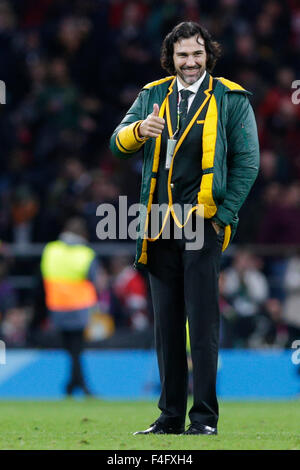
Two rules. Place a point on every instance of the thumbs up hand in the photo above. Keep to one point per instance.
(155, 111)
(153, 125)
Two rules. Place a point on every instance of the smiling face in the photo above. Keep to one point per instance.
(189, 59)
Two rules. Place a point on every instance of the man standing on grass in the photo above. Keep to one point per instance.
(200, 146)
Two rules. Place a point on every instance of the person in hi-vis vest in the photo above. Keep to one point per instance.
(70, 272)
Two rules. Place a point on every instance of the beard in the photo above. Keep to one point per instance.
(190, 75)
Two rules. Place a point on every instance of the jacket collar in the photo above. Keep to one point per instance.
(199, 101)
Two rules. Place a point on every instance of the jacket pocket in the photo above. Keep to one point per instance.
(221, 235)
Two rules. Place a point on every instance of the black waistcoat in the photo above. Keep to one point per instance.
(187, 166)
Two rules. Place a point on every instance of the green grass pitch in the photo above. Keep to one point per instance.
(98, 424)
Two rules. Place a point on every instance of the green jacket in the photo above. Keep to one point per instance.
(230, 151)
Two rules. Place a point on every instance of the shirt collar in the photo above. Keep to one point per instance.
(194, 87)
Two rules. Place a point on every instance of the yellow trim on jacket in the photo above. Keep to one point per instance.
(183, 136)
(143, 257)
(128, 140)
(209, 139)
(231, 85)
(158, 82)
(227, 236)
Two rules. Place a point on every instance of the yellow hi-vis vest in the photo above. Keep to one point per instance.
(64, 269)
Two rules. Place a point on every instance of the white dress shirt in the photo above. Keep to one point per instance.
(193, 88)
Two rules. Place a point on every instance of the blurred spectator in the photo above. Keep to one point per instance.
(103, 189)
(280, 117)
(281, 222)
(70, 273)
(265, 194)
(8, 295)
(270, 329)
(59, 109)
(129, 287)
(246, 288)
(101, 324)
(291, 306)
(65, 198)
(13, 319)
(14, 327)
(227, 318)
(24, 208)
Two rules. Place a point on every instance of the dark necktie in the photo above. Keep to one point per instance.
(183, 106)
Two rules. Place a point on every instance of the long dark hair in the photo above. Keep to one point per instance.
(186, 30)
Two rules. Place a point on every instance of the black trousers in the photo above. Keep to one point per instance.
(184, 283)
(73, 342)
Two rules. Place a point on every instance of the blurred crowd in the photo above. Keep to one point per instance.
(72, 68)
(259, 305)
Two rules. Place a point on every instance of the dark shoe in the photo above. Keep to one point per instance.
(69, 389)
(72, 386)
(87, 391)
(196, 429)
(159, 428)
